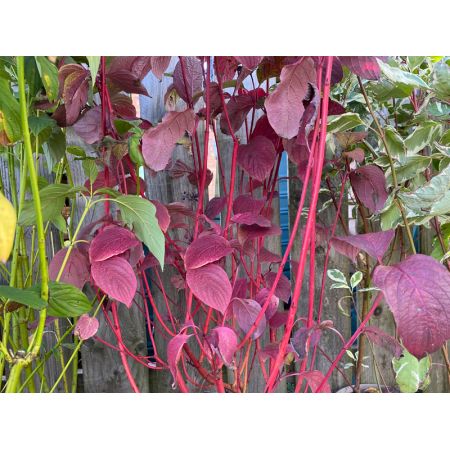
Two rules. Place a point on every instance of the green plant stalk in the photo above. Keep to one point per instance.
(391, 163)
(47, 356)
(15, 258)
(35, 345)
(75, 352)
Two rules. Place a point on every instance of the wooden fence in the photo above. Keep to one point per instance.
(101, 367)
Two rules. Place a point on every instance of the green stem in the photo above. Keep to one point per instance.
(391, 163)
(35, 345)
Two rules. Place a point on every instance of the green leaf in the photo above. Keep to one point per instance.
(422, 136)
(49, 77)
(432, 199)
(52, 200)
(384, 90)
(355, 279)
(23, 296)
(65, 300)
(94, 63)
(415, 61)
(139, 213)
(410, 373)
(9, 112)
(441, 81)
(337, 275)
(37, 124)
(32, 76)
(390, 215)
(54, 148)
(344, 122)
(394, 142)
(90, 169)
(76, 151)
(402, 78)
(408, 168)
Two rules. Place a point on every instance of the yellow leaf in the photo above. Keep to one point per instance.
(8, 220)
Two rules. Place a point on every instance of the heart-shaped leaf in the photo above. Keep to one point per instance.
(374, 244)
(417, 291)
(369, 185)
(159, 142)
(73, 88)
(189, 82)
(365, 66)
(246, 311)
(76, 270)
(174, 348)
(86, 327)
(160, 65)
(285, 105)
(250, 218)
(111, 240)
(249, 62)
(210, 284)
(257, 157)
(206, 249)
(115, 277)
(224, 342)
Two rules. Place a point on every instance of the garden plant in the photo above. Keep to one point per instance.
(368, 145)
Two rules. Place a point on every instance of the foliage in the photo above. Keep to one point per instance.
(372, 130)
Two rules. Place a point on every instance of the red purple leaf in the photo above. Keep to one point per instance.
(115, 277)
(246, 311)
(247, 204)
(261, 298)
(249, 62)
(257, 157)
(247, 232)
(335, 108)
(239, 288)
(174, 348)
(206, 249)
(210, 284)
(76, 270)
(285, 105)
(283, 289)
(278, 320)
(417, 291)
(369, 185)
(226, 66)
(263, 128)
(365, 66)
(88, 126)
(123, 106)
(271, 351)
(73, 87)
(250, 218)
(127, 73)
(224, 342)
(304, 339)
(314, 379)
(162, 215)
(382, 339)
(158, 143)
(190, 82)
(86, 327)
(357, 155)
(139, 66)
(237, 107)
(374, 244)
(344, 248)
(266, 256)
(111, 241)
(160, 65)
(215, 207)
